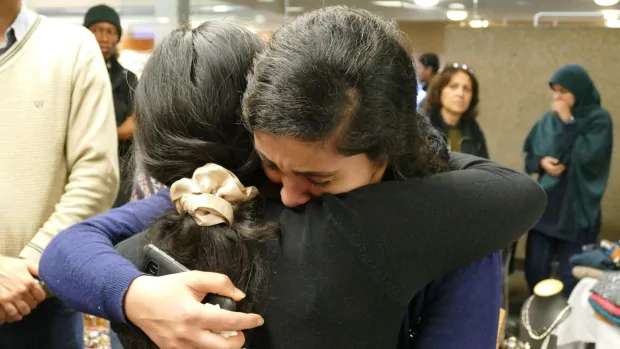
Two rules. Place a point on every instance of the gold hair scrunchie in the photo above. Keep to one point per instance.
(209, 195)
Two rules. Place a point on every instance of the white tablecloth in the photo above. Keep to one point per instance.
(581, 325)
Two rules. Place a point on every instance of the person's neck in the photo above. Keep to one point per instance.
(449, 117)
(8, 12)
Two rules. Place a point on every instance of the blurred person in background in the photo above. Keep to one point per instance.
(104, 22)
(570, 150)
(452, 106)
(428, 67)
(59, 164)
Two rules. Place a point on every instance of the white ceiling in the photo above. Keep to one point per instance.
(489, 9)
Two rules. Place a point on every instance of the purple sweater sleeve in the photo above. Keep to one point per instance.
(461, 309)
(93, 277)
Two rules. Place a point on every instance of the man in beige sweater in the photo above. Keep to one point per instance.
(58, 163)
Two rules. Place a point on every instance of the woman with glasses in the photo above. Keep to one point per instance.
(451, 104)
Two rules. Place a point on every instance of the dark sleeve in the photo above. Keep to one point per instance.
(408, 233)
(132, 82)
(484, 151)
(565, 140)
(532, 163)
(462, 307)
(593, 149)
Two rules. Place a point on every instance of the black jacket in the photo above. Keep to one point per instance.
(123, 84)
(473, 141)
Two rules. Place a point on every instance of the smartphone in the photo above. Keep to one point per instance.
(159, 263)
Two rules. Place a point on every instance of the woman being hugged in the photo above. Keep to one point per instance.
(344, 173)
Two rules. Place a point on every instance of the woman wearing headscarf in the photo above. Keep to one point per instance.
(570, 150)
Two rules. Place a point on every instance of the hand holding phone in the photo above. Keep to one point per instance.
(159, 263)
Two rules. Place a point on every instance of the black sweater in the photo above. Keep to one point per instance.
(344, 270)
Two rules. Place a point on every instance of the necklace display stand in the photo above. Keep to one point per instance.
(542, 313)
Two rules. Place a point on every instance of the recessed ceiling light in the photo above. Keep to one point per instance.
(477, 23)
(294, 9)
(611, 15)
(613, 24)
(456, 15)
(606, 2)
(426, 3)
(456, 6)
(220, 8)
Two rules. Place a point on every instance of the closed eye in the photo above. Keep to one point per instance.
(319, 184)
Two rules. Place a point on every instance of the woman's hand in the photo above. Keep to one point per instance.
(552, 166)
(168, 310)
(562, 110)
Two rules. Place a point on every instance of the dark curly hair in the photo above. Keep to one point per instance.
(344, 76)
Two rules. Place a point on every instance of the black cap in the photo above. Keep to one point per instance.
(103, 13)
(430, 60)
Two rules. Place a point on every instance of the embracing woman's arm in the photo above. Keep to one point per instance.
(81, 267)
(437, 223)
(461, 308)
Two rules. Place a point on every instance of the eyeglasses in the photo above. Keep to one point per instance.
(458, 66)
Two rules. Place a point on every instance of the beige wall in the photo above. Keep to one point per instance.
(513, 65)
(425, 36)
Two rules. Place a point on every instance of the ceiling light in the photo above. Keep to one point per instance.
(606, 2)
(477, 23)
(163, 20)
(613, 23)
(426, 3)
(220, 8)
(456, 6)
(456, 15)
(611, 15)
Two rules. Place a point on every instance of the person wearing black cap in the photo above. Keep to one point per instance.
(104, 22)
(428, 68)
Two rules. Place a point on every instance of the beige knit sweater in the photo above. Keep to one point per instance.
(58, 143)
